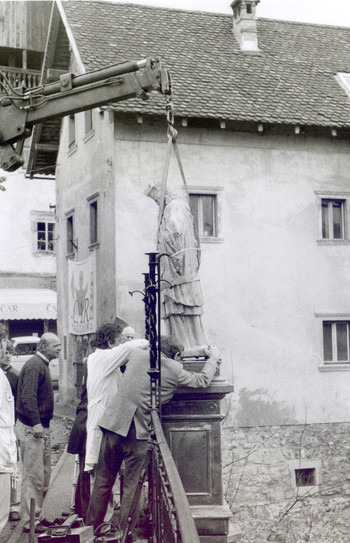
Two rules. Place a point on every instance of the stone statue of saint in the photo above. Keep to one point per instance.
(182, 301)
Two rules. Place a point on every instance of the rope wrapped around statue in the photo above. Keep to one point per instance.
(182, 300)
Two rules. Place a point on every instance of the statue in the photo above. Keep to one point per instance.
(182, 301)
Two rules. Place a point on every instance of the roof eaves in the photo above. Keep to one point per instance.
(70, 35)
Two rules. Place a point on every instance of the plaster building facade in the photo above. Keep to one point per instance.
(262, 110)
(27, 223)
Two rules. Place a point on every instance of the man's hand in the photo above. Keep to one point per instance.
(38, 430)
(213, 352)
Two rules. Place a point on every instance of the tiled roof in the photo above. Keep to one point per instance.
(292, 81)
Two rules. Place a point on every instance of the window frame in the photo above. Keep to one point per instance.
(333, 197)
(305, 464)
(334, 342)
(216, 192)
(89, 125)
(93, 202)
(330, 204)
(47, 235)
(332, 365)
(70, 219)
(46, 217)
(72, 136)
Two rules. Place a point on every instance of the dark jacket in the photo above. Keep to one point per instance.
(12, 376)
(34, 403)
(77, 438)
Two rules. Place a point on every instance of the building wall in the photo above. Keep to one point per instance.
(22, 203)
(267, 280)
(86, 169)
(260, 482)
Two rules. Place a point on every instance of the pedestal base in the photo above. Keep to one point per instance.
(212, 523)
(192, 427)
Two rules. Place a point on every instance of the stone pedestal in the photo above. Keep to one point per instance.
(192, 426)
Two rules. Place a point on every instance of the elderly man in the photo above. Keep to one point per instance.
(128, 334)
(34, 410)
(126, 419)
(8, 449)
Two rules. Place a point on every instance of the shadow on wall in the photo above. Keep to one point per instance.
(257, 409)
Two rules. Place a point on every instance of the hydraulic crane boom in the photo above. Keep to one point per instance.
(22, 109)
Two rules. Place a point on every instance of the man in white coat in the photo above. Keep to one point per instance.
(103, 379)
(8, 449)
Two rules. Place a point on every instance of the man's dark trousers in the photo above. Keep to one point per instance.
(115, 449)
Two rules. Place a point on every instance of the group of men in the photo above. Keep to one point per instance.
(111, 425)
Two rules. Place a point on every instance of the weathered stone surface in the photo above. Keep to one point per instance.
(260, 485)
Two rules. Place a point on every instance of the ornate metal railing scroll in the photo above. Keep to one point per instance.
(151, 294)
(171, 516)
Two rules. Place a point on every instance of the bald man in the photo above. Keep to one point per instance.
(34, 409)
(128, 334)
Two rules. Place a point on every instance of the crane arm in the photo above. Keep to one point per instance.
(20, 111)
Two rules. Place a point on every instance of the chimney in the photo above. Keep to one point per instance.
(244, 25)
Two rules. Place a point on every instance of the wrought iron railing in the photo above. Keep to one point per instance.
(17, 77)
(170, 513)
(171, 517)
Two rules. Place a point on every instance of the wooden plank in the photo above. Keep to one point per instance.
(46, 147)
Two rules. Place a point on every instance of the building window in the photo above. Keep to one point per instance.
(45, 236)
(203, 207)
(70, 235)
(93, 223)
(305, 477)
(88, 121)
(336, 341)
(71, 131)
(333, 224)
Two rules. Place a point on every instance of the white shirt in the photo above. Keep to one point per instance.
(8, 449)
(103, 379)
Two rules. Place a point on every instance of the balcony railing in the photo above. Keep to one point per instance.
(17, 77)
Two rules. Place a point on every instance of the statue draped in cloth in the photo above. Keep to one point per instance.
(182, 301)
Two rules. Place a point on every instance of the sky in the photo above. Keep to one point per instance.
(333, 12)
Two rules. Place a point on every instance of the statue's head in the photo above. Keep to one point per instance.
(153, 191)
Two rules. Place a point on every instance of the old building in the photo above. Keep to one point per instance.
(262, 110)
(27, 221)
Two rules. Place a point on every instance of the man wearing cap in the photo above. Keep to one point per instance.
(128, 334)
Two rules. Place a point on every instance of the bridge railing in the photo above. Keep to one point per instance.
(172, 520)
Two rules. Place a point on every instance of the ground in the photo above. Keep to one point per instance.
(60, 430)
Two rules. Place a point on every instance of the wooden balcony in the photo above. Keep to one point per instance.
(16, 77)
